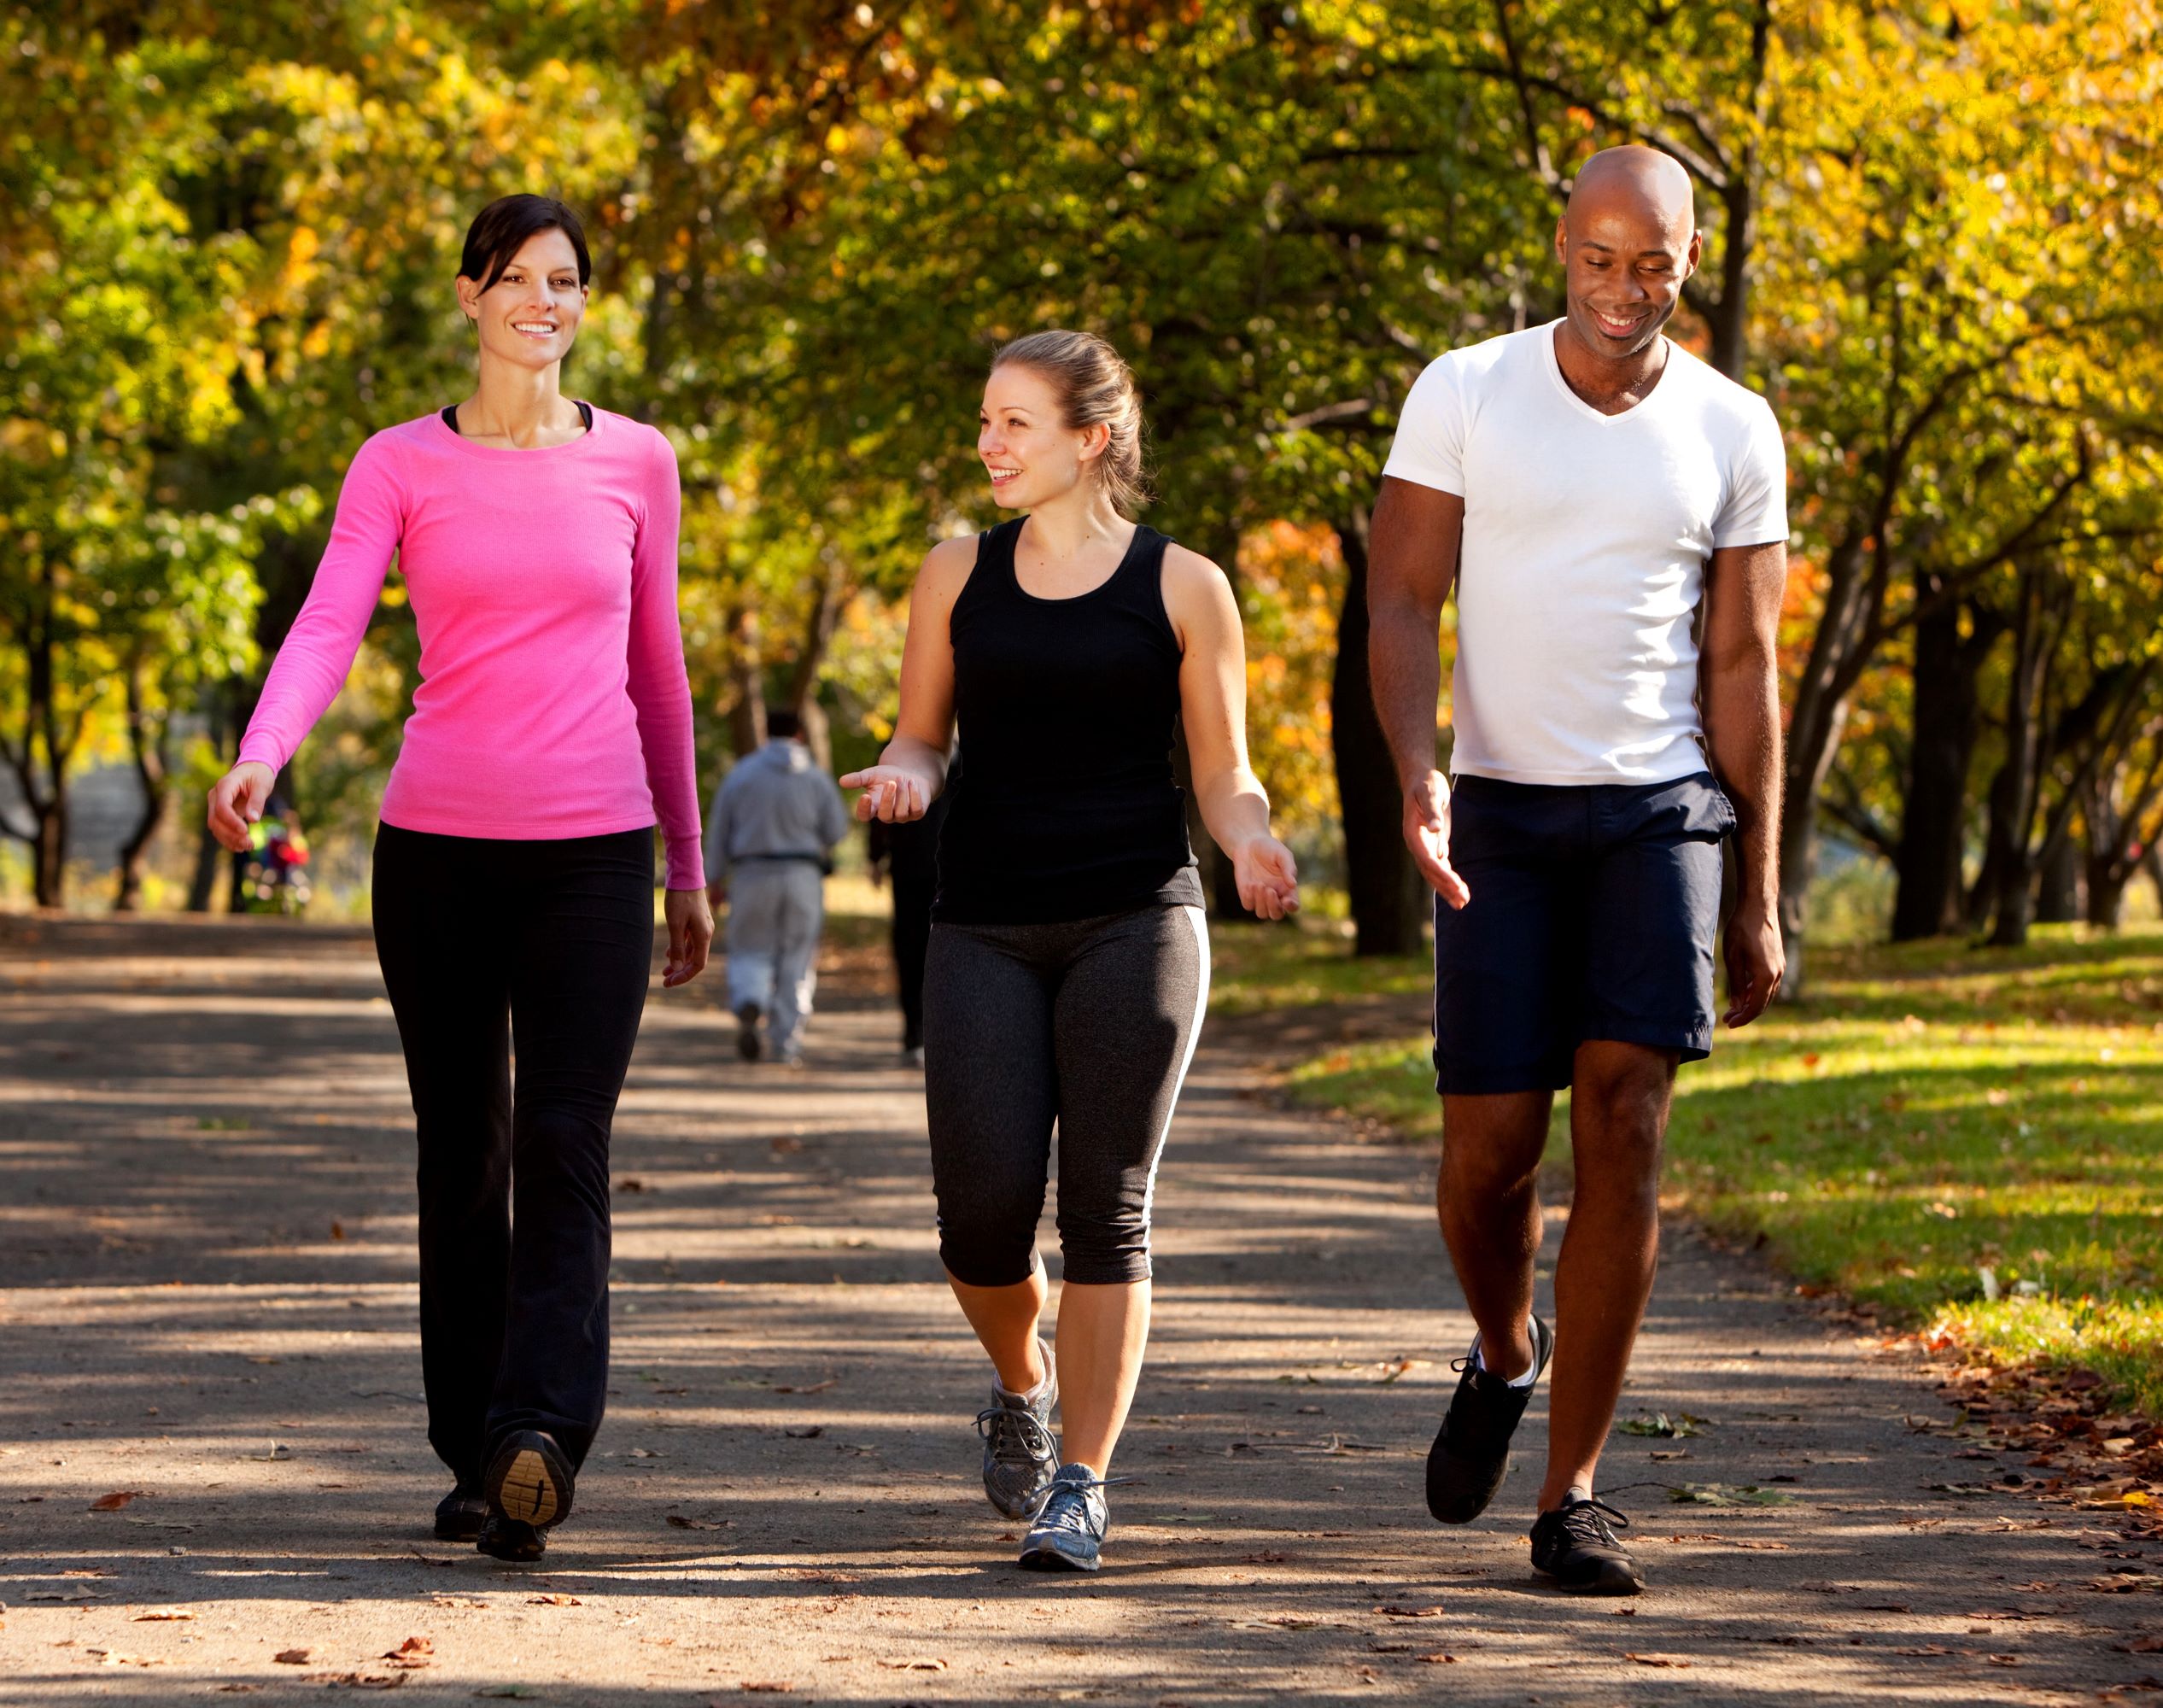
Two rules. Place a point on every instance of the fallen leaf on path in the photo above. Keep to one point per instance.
(1678, 1427)
(1727, 1495)
(162, 1614)
(239, 1689)
(292, 1657)
(804, 1431)
(2004, 1660)
(772, 1687)
(1884, 1607)
(413, 1651)
(2141, 1645)
(1268, 1556)
(553, 1601)
(516, 1690)
(1655, 1660)
(1925, 1649)
(1437, 1659)
(812, 1388)
(1741, 1542)
(1391, 1610)
(356, 1681)
(913, 1665)
(113, 1502)
(681, 1523)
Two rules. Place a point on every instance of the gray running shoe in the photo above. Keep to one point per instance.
(1019, 1453)
(1069, 1528)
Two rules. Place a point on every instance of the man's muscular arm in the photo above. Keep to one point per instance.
(1411, 560)
(1741, 694)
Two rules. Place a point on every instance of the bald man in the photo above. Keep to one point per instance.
(1611, 513)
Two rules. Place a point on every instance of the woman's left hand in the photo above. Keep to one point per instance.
(691, 933)
(1267, 876)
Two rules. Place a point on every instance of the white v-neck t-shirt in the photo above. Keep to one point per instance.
(1586, 541)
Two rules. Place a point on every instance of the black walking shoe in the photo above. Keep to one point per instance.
(1573, 1546)
(1470, 1455)
(747, 1040)
(460, 1514)
(508, 1539)
(528, 1481)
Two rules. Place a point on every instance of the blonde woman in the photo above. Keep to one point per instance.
(1069, 960)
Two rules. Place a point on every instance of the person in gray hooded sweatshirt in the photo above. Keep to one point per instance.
(775, 820)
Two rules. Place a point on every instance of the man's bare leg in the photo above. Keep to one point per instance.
(1487, 1196)
(1618, 1115)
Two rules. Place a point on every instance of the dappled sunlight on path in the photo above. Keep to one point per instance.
(208, 1305)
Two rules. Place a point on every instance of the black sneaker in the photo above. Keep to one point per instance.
(1575, 1545)
(1471, 1452)
(460, 1513)
(507, 1539)
(528, 1481)
(747, 1040)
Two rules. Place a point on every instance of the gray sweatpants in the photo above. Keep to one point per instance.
(776, 909)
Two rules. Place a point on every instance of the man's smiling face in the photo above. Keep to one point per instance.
(1627, 243)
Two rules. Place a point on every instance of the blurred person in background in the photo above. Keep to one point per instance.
(770, 844)
(907, 854)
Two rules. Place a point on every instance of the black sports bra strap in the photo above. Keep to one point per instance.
(585, 415)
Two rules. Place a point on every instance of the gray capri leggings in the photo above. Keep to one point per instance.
(1089, 1024)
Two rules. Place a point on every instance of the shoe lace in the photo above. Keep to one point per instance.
(1067, 1507)
(1017, 1437)
(1583, 1521)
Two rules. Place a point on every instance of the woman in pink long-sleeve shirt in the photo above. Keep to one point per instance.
(513, 883)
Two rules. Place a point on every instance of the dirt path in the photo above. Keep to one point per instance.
(207, 1298)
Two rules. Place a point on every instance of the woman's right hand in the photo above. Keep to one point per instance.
(237, 802)
(892, 793)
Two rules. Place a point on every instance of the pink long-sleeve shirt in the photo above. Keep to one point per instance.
(553, 701)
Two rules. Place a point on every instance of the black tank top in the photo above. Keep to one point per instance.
(1067, 707)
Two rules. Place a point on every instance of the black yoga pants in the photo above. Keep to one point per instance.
(1086, 1025)
(548, 943)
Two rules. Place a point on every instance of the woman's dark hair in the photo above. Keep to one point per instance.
(500, 230)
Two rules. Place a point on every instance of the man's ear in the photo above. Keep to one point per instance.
(1562, 238)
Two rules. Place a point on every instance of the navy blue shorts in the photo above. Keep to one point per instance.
(1592, 915)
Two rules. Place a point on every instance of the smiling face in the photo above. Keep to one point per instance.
(1627, 245)
(529, 316)
(1028, 450)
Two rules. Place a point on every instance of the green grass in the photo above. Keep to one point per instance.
(1930, 1112)
(1256, 966)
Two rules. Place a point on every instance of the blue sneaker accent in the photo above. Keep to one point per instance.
(1069, 1530)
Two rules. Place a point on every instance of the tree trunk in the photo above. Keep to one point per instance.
(2058, 884)
(49, 856)
(810, 657)
(147, 738)
(1389, 900)
(747, 712)
(2012, 856)
(1934, 821)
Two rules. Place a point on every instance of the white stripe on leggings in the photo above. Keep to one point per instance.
(1200, 921)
